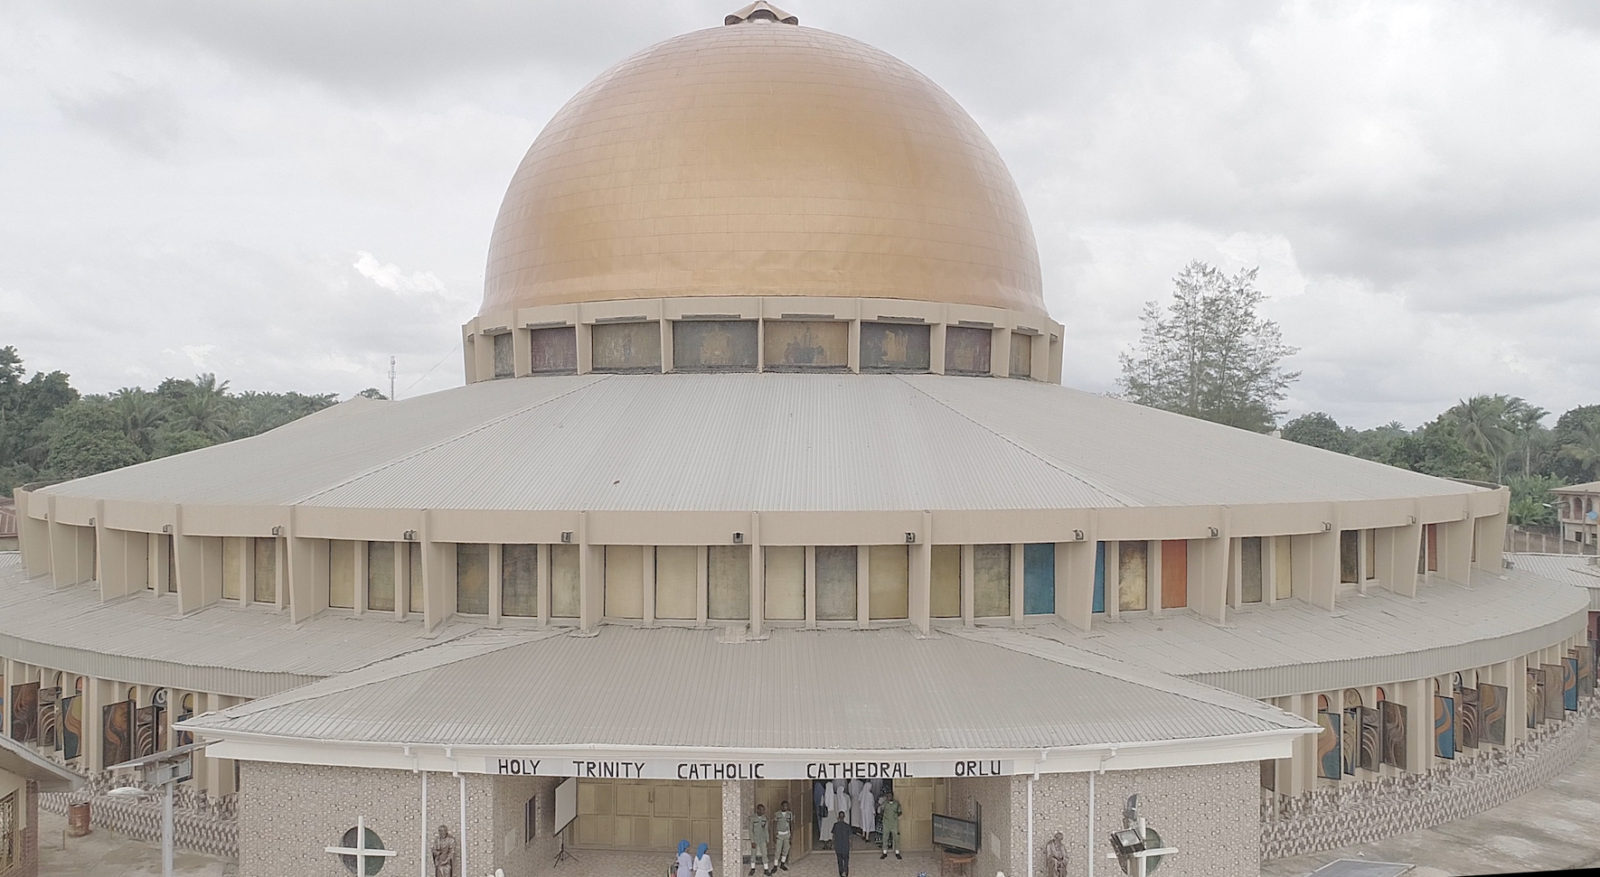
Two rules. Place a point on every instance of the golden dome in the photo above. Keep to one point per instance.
(762, 158)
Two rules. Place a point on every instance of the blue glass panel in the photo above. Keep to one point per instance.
(1100, 577)
(1039, 578)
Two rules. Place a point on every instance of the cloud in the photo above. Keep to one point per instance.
(301, 189)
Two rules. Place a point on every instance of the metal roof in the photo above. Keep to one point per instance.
(813, 690)
(1586, 487)
(1292, 647)
(756, 442)
(227, 649)
(19, 759)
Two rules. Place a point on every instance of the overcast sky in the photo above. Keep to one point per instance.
(286, 193)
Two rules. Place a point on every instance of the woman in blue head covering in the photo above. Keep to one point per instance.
(685, 861)
(702, 862)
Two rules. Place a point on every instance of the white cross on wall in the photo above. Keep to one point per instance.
(361, 851)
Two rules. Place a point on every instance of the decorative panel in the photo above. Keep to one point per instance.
(1444, 726)
(836, 582)
(1554, 694)
(1371, 738)
(1099, 604)
(553, 350)
(785, 582)
(71, 726)
(1467, 718)
(1039, 578)
(519, 580)
(1349, 556)
(1174, 573)
(233, 549)
(806, 344)
(728, 577)
(967, 350)
(1492, 707)
(714, 345)
(945, 584)
(888, 581)
(1021, 355)
(116, 733)
(896, 347)
(624, 581)
(1133, 576)
(1535, 697)
(49, 718)
(1250, 571)
(472, 578)
(25, 712)
(146, 722)
(1394, 733)
(677, 581)
(1330, 760)
(341, 574)
(1569, 683)
(380, 576)
(991, 581)
(564, 594)
(265, 558)
(625, 347)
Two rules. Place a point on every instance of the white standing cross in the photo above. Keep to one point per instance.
(360, 851)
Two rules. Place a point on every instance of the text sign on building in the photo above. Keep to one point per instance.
(673, 769)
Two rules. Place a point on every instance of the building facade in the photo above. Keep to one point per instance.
(763, 479)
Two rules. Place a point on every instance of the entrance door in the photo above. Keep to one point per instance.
(647, 815)
(918, 798)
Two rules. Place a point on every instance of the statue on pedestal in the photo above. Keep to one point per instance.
(1055, 857)
(444, 854)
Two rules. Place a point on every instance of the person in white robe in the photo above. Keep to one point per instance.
(842, 802)
(866, 812)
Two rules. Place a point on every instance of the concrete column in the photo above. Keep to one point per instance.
(591, 578)
(71, 554)
(853, 346)
(585, 348)
(936, 342)
(90, 735)
(758, 578)
(738, 799)
(1419, 725)
(521, 351)
(863, 586)
(919, 604)
(1018, 572)
(1209, 557)
(1075, 581)
(1324, 567)
(469, 361)
(667, 360)
(647, 584)
(33, 537)
(1489, 533)
(116, 578)
(968, 576)
(363, 576)
(810, 585)
(1000, 352)
(702, 573)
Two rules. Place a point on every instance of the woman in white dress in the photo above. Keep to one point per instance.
(702, 862)
(685, 861)
(866, 812)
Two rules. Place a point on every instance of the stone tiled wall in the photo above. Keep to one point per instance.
(1208, 812)
(738, 799)
(1355, 813)
(990, 798)
(291, 812)
(199, 823)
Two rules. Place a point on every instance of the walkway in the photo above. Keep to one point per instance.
(1551, 829)
(104, 852)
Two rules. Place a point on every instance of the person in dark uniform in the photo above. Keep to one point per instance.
(841, 844)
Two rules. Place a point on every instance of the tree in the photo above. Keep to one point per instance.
(1209, 355)
(1481, 425)
(140, 416)
(1522, 419)
(1570, 437)
(1584, 449)
(373, 393)
(1318, 430)
(1532, 504)
(25, 408)
(85, 439)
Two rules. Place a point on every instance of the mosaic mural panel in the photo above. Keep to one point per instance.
(991, 572)
(1554, 695)
(784, 568)
(625, 347)
(1250, 578)
(553, 350)
(146, 720)
(1349, 556)
(1444, 726)
(1350, 744)
(728, 572)
(71, 726)
(1468, 725)
(25, 712)
(519, 580)
(116, 733)
(714, 345)
(380, 576)
(968, 350)
(1394, 733)
(1569, 684)
(807, 344)
(894, 347)
(1269, 774)
(1585, 656)
(504, 357)
(1329, 760)
(264, 555)
(564, 596)
(49, 718)
(1371, 739)
(1492, 701)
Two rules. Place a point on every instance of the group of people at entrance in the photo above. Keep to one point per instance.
(782, 824)
(856, 803)
(697, 865)
(886, 811)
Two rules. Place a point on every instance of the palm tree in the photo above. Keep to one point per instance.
(1480, 422)
(1522, 417)
(1584, 449)
(138, 415)
(205, 408)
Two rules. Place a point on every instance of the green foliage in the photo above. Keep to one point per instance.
(1208, 354)
(1532, 503)
(48, 433)
(1319, 430)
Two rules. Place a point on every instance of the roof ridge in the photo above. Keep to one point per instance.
(452, 437)
(1024, 447)
(1101, 665)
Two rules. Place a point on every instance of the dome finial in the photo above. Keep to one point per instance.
(760, 10)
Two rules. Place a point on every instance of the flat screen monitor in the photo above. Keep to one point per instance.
(956, 835)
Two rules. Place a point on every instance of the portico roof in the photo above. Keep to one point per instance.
(18, 759)
(794, 691)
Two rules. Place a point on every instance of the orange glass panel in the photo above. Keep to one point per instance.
(1174, 573)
